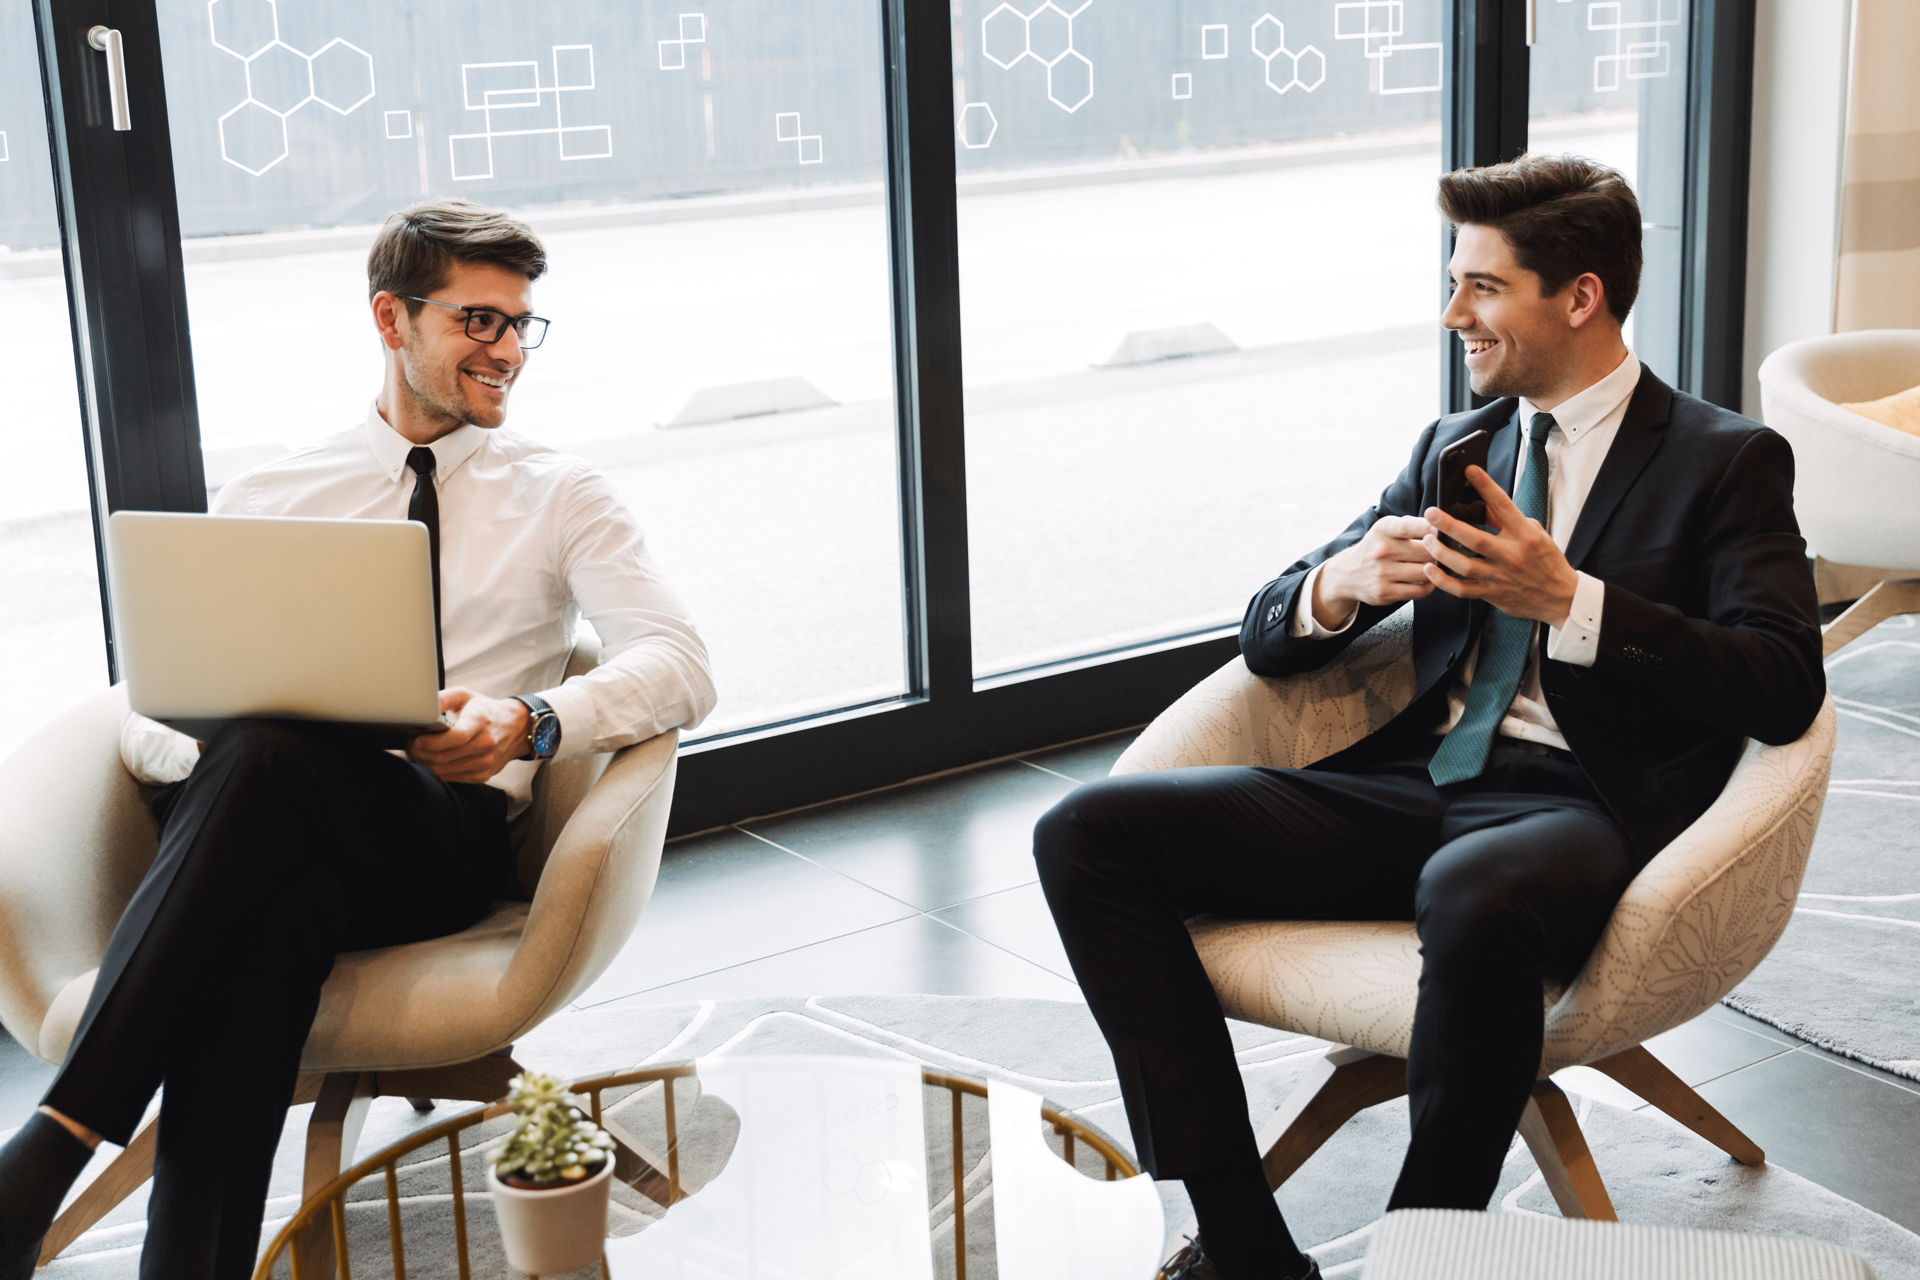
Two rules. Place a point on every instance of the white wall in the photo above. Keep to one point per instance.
(1801, 54)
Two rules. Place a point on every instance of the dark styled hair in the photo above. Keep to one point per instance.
(1563, 215)
(414, 250)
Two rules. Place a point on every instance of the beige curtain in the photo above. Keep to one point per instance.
(1879, 286)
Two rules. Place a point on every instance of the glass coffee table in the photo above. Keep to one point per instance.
(406, 1210)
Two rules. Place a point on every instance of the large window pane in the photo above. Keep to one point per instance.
(1200, 299)
(708, 182)
(52, 645)
(1610, 83)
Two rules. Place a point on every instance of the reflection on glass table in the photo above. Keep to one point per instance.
(837, 1164)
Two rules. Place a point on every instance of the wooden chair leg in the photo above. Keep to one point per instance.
(1886, 600)
(120, 1179)
(1649, 1077)
(332, 1135)
(1553, 1135)
(1337, 1088)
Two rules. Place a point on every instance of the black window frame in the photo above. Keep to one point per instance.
(126, 288)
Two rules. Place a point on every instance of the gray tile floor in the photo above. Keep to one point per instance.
(930, 888)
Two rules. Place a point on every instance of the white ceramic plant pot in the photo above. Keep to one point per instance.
(551, 1231)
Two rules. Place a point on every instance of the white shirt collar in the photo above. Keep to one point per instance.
(390, 448)
(1581, 413)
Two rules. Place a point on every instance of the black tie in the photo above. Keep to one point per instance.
(424, 506)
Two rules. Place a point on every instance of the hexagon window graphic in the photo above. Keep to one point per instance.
(243, 27)
(253, 138)
(1049, 34)
(280, 80)
(1303, 69)
(977, 126)
(1008, 37)
(342, 77)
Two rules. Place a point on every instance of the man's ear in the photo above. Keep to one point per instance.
(389, 314)
(1587, 301)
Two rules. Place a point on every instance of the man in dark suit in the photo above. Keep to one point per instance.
(1639, 604)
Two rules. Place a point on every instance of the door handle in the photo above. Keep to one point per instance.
(107, 41)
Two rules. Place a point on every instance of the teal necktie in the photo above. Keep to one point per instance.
(1503, 645)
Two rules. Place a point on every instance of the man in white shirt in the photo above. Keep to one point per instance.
(1587, 670)
(281, 845)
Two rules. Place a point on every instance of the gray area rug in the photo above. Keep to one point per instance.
(1656, 1172)
(1846, 975)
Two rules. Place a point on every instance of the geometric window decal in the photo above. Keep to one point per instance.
(1182, 84)
(1008, 37)
(1645, 59)
(280, 81)
(786, 128)
(1305, 69)
(673, 53)
(399, 125)
(1402, 68)
(499, 90)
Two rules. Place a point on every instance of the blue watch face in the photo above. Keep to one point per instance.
(546, 736)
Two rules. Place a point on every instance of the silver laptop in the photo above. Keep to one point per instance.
(221, 617)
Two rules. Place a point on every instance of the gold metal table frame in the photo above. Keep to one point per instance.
(316, 1235)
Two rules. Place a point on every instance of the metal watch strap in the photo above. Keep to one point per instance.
(536, 709)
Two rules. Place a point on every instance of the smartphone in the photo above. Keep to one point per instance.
(1458, 498)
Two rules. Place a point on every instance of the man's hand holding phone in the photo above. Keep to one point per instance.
(1517, 569)
(1387, 566)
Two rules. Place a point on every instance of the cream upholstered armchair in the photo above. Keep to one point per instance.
(434, 1019)
(1695, 921)
(1854, 478)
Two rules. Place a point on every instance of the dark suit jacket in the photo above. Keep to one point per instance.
(1709, 634)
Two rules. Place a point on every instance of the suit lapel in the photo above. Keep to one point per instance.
(1638, 439)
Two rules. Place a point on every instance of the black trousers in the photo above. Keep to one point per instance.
(286, 845)
(1509, 879)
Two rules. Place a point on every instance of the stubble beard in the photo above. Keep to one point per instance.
(1508, 380)
(441, 394)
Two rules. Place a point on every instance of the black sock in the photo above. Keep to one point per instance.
(37, 1166)
(1241, 1228)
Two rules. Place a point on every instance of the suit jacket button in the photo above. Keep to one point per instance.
(1451, 655)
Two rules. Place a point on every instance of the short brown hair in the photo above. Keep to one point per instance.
(1563, 215)
(414, 250)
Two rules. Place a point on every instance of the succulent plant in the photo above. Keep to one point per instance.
(554, 1143)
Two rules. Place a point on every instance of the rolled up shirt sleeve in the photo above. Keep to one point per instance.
(1578, 643)
(1304, 625)
(654, 674)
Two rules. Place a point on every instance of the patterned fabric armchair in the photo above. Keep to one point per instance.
(1696, 920)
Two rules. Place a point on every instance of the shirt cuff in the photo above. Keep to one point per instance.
(155, 754)
(572, 702)
(1307, 627)
(1578, 643)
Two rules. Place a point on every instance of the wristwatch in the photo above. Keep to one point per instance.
(543, 733)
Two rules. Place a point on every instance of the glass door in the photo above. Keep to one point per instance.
(1197, 277)
(708, 180)
(1609, 82)
(52, 647)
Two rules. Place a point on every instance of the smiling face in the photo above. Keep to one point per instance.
(444, 378)
(1519, 342)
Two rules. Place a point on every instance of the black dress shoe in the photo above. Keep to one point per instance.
(1191, 1263)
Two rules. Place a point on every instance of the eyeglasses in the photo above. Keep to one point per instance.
(492, 325)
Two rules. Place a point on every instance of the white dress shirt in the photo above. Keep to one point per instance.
(1583, 432)
(531, 540)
